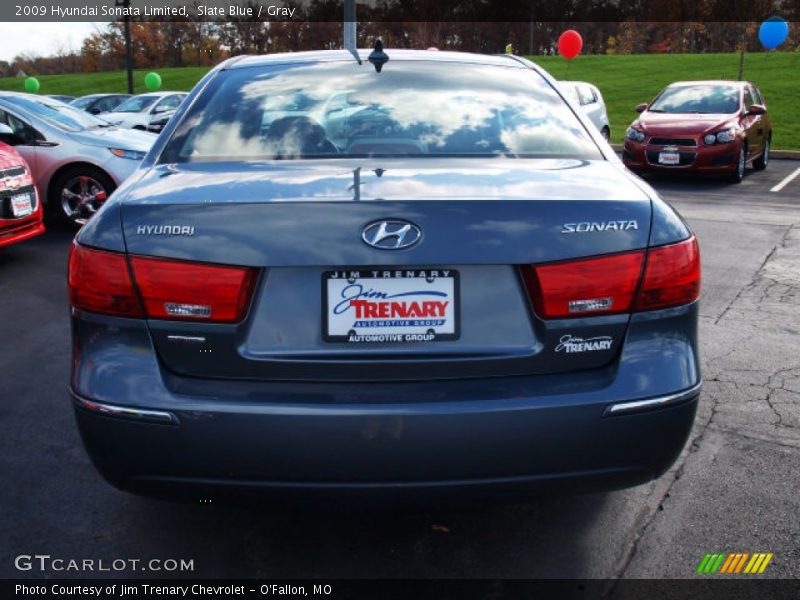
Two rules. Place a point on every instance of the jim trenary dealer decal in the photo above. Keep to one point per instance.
(571, 343)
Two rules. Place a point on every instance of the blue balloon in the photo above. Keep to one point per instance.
(773, 32)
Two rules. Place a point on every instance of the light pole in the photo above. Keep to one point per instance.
(128, 48)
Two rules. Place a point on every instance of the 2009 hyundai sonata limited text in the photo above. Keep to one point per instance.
(420, 273)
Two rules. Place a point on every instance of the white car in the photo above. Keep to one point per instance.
(137, 112)
(589, 98)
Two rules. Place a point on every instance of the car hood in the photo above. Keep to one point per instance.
(114, 137)
(124, 117)
(664, 124)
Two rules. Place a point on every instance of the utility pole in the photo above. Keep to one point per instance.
(128, 47)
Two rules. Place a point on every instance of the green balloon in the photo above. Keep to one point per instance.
(152, 81)
(32, 85)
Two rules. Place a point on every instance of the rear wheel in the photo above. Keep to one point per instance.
(78, 193)
(761, 162)
(606, 133)
(741, 161)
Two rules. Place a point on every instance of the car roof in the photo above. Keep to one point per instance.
(393, 53)
(709, 82)
(104, 95)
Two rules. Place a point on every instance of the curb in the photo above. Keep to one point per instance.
(785, 154)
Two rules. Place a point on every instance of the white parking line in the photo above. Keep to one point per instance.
(786, 181)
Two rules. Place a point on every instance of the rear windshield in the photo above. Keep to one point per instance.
(719, 99)
(343, 109)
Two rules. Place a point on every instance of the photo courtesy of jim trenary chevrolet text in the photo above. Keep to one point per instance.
(400, 299)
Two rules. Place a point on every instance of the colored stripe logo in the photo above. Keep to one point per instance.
(734, 563)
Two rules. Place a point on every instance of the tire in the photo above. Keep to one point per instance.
(606, 133)
(741, 162)
(77, 193)
(139, 127)
(762, 161)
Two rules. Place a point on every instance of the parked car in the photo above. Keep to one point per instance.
(589, 98)
(62, 98)
(76, 159)
(137, 112)
(20, 208)
(714, 127)
(99, 103)
(480, 299)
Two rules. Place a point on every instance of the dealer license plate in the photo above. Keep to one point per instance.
(669, 158)
(21, 205)
(396, 306)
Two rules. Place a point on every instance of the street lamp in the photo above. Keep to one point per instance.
(126, 19)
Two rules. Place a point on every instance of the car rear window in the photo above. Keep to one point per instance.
(343, 109)
(712, 99)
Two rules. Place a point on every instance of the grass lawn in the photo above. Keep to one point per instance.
(625, 81)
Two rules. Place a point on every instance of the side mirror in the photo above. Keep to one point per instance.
(757, 109)
(94, 111)
(8, 136)
(641, 107)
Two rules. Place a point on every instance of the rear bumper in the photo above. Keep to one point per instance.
(509, 450)
(149, 430)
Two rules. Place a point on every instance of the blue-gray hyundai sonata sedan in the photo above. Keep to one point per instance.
(343, 273)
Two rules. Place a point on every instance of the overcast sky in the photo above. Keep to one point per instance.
(41, 39)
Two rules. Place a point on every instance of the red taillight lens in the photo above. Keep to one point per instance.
(608, 284)
(584, 287)
(99, 282)
(190, 291)
(672, 276)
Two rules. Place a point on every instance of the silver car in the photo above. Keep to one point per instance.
(77, 159)
(589, 98)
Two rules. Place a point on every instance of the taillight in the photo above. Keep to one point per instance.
(191, 291)
(672, 276)
(584, 287)
(99, 282)
(609, 284)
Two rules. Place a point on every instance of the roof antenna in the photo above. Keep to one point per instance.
(378, 57)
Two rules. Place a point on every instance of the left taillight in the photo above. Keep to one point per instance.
(99, 282)
(193, 291)
(112, 283)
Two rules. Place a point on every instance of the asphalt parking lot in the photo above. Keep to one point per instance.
(733, 489)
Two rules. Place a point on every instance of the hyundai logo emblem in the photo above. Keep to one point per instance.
(391, 234)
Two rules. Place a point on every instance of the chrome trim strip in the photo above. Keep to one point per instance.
(136, 414)
(186, 338)
(624, 408)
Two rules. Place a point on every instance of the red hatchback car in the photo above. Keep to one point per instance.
(20, 209)
(714, 127)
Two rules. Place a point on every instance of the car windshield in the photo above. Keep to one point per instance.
(82, 103)
(717, 99)
(136, 104)
(61, 115)
(410, 108)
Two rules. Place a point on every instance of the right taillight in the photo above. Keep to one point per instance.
(671, 277)
(103, 282)
(628, 282)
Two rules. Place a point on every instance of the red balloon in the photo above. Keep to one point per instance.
(569, 44)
